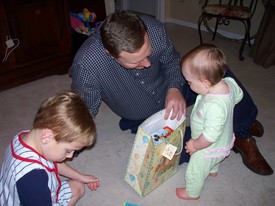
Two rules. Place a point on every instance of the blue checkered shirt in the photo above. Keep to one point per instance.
(131, 93)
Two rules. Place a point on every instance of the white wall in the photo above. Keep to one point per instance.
(187, 12)
(143, 6)
(151, 7)
(110, 6)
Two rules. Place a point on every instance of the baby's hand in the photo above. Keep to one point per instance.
(190, 147)
(91, 181)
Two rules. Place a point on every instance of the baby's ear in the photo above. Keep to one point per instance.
(46, 136)
(206, 83)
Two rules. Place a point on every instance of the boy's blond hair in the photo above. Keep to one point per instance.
(206, 61)
(67, 116)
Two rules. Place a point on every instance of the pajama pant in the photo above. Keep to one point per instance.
(198, 169)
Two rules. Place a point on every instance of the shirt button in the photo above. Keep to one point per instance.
(153, 92)
(142, 82)
(137, 74)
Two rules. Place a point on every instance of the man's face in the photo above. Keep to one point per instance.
(137, 60)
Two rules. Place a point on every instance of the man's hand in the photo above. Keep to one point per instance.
(176, 102)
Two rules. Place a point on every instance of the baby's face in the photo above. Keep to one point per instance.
(195, 83)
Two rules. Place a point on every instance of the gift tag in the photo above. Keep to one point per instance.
(169, 151)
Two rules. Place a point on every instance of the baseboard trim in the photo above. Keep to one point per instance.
(195, 26)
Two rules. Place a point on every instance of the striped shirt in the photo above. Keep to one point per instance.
(133, 94)
(20, 161)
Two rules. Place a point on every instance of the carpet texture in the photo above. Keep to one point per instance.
(235, 184)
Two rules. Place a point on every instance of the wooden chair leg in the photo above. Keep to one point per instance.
(248, 32)
(247, 27)
(241, 51)
(216, 27)
(199, 27)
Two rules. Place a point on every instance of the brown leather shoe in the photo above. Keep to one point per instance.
(257, 129)
(251, 155)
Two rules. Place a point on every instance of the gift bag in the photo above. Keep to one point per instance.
(155, 153)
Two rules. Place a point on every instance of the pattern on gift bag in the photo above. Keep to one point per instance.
(147, 167)
(161, 167)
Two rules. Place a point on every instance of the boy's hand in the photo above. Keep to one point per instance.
(91, 181)
(93, 185)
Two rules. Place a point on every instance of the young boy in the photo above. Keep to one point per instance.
(34, 159)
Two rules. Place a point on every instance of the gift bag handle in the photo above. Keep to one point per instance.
(181, 138)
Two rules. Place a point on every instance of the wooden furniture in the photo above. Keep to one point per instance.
(226, 10)
(43, 29)
(42, 32)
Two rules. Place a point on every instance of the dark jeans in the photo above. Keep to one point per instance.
(245, 113)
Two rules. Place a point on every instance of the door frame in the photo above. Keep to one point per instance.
(160, 9)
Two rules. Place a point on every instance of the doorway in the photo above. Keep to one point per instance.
(151, 7)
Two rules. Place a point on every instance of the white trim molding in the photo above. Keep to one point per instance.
(195, 26)
(160, 13)
(109, 6)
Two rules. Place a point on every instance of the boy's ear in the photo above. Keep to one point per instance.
(47, 136)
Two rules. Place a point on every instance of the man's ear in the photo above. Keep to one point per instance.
(108, 53)
(47, 136)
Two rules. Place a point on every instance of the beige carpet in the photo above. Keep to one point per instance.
(235, 185)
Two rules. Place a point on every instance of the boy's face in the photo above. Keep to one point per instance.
(59, 151)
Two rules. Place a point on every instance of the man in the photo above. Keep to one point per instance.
(132, 65)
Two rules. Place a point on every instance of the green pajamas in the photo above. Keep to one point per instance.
(198, 169)
(212, 116)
